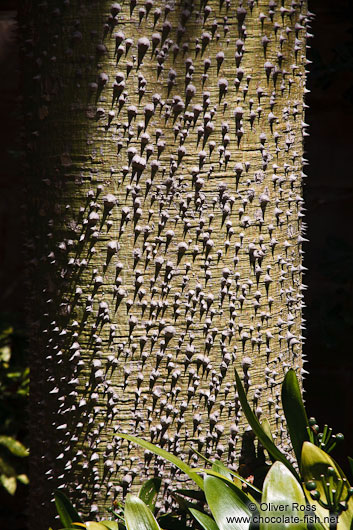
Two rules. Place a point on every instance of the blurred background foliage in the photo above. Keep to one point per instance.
(14, 389)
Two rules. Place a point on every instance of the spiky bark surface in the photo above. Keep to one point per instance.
(167, 154)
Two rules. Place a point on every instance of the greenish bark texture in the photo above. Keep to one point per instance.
(165, 145)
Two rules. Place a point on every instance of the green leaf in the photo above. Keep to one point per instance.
(23, 478)
(9, 483)
(226, 505)
(281, 489)
(221, 469)
(237, 476)
(184, 504)
(167, 456)
(149, 491)
(172, 522)
(138, 516)
(89, 525)
(116, 515)
(314, 463)
(258, 430)
(197, 495)
(219, 475)
(92, 525)
(294, 411)
(14, 446)
(204, 520)
(200, 455)
(229, 481)
(265, 424)
(66, 511)
(112, 525)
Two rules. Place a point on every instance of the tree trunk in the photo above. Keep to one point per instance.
(165, 203)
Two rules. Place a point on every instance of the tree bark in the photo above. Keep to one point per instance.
(165, 206)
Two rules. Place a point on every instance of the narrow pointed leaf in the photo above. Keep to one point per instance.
(228, 480)
(201, 455)
(235, 475)
(258, 430)
(92, 525)
(149, 491)
(228, 509)
(221, 469)
(14, 446)
(66, 511)
(265, 424)
(224, 471)
(115, 514)
(184, 505)
(294, 411)
(204, 520)
(167, 456)
(244, 481)
(197, 495)
(138, 516)
(281, 490)
(314, 463)
(112, 525)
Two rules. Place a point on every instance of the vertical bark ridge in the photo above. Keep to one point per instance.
(168, 143)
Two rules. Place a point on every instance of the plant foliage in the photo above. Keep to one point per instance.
(14, 387)
(226, 501)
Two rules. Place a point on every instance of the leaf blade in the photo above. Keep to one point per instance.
(295, 413)
(228, 509)
(149, 492)
(258, 431)
(222, 477)
(112, 525)
(66, 511)
(204, 520)
(221, 469)
(138, 516)
(92, 525)
(14, 446)
(265, 424)
(282, 489)
(167, 456)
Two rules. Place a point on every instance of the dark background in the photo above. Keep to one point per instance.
(329, 201)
